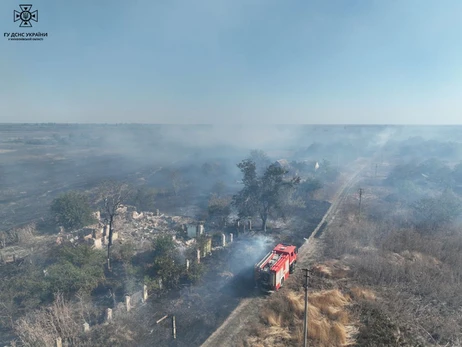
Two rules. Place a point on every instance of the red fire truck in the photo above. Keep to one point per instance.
(275, 267)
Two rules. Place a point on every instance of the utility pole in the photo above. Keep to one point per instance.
(305, 320)
(360, 197)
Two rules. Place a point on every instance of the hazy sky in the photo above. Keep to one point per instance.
(217, 61)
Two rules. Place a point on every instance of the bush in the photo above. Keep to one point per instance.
(77, 269)
(72, 210)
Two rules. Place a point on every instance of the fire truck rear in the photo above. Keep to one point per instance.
(275, 267)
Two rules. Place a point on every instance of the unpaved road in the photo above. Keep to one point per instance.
(230, 332)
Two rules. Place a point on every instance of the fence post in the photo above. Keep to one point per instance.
(174, 327)
(109, 314)
(127, 302)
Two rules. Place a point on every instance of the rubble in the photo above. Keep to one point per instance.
(141, 228)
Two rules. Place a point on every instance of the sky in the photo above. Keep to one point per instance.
(235, 61)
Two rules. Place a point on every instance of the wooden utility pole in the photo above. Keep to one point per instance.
(305, 318)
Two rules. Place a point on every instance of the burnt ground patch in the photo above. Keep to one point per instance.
(308, 218)
(202, 308)
(321, 230)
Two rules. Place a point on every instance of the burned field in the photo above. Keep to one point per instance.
(172, 193)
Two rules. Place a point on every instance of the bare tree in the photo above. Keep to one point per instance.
(42, 327)
(112, 195)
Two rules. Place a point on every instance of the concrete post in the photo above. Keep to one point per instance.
(59, 342)
(157, 212)
(230, 237)
(174, 327)
(250, 225)
(86, 327)
(187, 264)
(108, 314)
(145, 292)
(199, 230)
(160, 283)
(127, 302)
(223, 240)
(198, 256)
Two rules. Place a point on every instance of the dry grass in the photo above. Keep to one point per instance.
(322, 270)
(325, 298)
(362, 293)
(331, 269)
(328, 320)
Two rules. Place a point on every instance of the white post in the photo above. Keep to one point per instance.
(145, 292)
(109, 314)
(223, 240)
(174, 327)
(230, 237)
(127, 302)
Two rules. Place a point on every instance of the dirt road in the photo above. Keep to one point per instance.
(229, 333)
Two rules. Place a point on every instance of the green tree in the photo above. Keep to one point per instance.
(164, 245)
(72, 210)
(167, 264)
(78, 268)
(263, 195)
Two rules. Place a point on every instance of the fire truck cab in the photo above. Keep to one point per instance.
(275, 268)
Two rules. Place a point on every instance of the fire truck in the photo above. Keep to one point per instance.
(275, 267)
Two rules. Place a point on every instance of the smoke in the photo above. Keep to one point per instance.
(384, 136)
